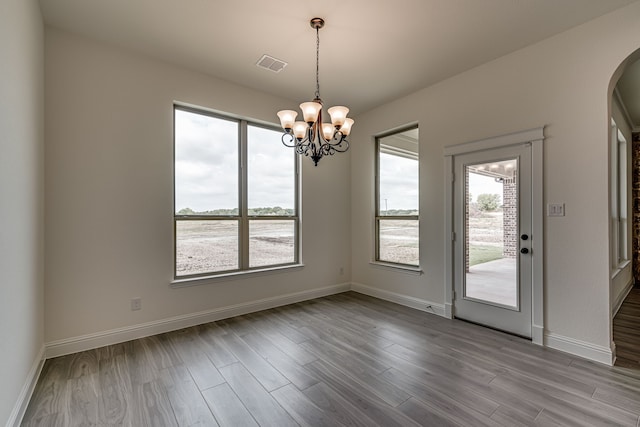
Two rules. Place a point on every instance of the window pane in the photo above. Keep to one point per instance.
(206, 165)
(398, 241)
(271, 242)
(398, 174)
(271, 173)
(206, 246)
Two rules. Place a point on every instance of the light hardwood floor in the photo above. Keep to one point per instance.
(346, 359)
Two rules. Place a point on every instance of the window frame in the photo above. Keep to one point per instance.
(378, 217)
(243, 218)
(619, 198)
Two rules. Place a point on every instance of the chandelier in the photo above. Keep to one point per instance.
(312, 137)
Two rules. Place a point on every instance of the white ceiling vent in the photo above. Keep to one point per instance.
(271, 63)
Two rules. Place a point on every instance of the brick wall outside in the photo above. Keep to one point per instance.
(466, 217)
(635, 217)
(510, 217)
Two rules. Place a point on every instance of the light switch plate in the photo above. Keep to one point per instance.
(555, 209)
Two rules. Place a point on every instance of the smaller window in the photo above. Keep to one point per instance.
(397, 198)
(619, 223)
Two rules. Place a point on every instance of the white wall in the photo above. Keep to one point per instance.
(109, 192)
(561, 83)
(21, 196)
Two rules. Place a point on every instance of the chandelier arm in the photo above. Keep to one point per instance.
(340, 145)
(291, 143)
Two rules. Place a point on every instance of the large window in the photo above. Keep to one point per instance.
(619, 221)
(397, 198)
(236, 195)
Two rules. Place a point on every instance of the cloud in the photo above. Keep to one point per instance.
(207, 165)
(399, 187)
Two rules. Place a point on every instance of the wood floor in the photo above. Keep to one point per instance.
(626, 331)
(346, 359)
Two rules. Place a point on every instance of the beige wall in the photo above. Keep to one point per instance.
(561, 83)
(109, 192)
(21, 196)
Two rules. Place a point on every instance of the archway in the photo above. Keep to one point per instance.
(624, 208)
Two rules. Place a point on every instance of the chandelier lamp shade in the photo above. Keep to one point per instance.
(312, 137)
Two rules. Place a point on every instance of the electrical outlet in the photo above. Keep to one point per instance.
(136, 304)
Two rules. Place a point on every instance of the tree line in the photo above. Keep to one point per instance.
(267, 211)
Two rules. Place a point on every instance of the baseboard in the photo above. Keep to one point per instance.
(587, 350)
(622, 297)
(114, 336)
(417, 303)
(15, 418)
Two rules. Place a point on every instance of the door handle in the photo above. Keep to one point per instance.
(524, 250)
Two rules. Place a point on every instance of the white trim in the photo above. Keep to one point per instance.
(614, 356)
(495, 142)
(15, 418)
(407, 301)
(225, 277)
(416, 271)
(448, 311)
(537, 240)
(449, 182)
(623, 295)
(584, 349)
(623, 107)
(537, 334)
(114, 336)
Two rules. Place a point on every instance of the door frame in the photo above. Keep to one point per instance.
(535, 137)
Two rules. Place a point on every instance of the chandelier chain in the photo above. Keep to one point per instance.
(317, 63)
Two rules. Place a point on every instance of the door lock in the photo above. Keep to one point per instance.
(524, 250)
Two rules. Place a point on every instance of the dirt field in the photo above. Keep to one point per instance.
(485, 228)
(399, 241)
(211, 246)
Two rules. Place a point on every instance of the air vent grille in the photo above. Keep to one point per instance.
(270, 63)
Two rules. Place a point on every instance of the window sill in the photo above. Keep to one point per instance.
(417, 271)
(617, 270)
(236, 275)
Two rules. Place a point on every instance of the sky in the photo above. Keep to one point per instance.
(206, 168)
(399, 186)
(481, 184)
(206, 165)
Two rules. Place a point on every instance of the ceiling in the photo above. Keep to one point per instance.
(370, 52)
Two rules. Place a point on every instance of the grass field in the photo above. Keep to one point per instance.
(479, 254)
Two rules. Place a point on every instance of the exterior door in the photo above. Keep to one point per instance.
(492, 238)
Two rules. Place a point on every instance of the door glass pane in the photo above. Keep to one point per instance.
(398, 241)
(206, 165)
(271, 242)
(206, 246)
(491, 228)
(271, 173)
